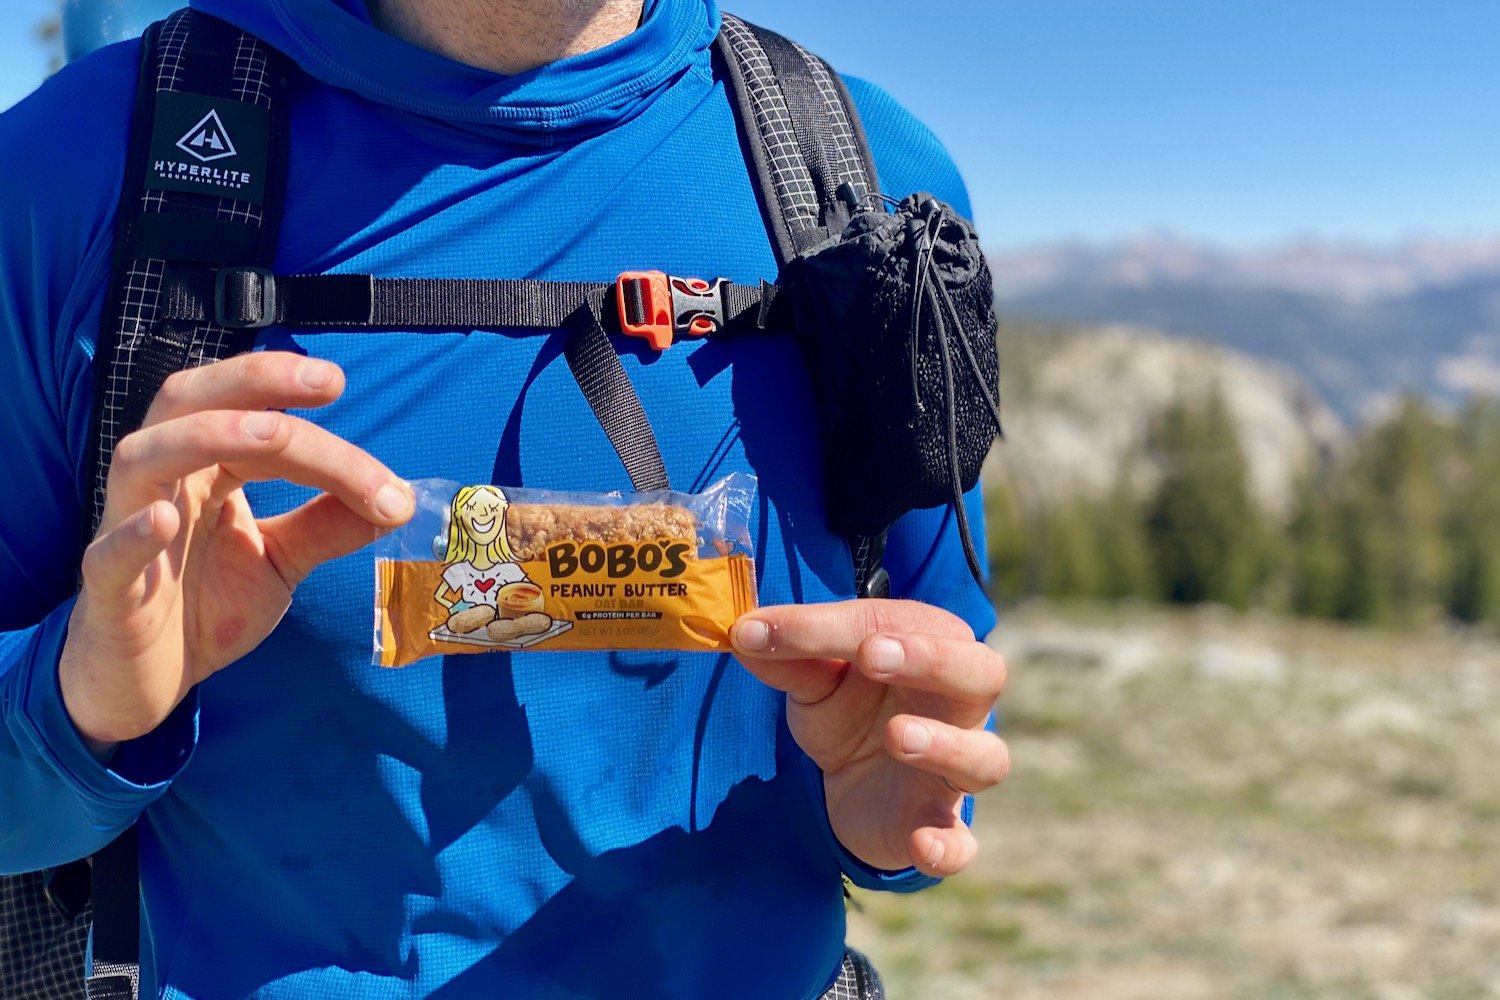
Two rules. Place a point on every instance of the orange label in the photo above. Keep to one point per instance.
(645, 596)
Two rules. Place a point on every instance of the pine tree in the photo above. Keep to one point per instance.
(1124, 546)
(1011, 542)
(1394, 518)
(1316, 555)
(1203, 524)
(1473, 534)
(1071, 563)
(48, 31)
(1364, 591)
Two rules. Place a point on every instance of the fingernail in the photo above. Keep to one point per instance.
(260, 425)
(392, 502)
(314, 374)
(915, 738)
(935, 853)
(146, 522)
(752, 636)
(885, 655)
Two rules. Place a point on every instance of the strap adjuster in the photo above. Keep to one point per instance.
(659, 308)
(244, 298)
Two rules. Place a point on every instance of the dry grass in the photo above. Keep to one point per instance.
(1205, 805)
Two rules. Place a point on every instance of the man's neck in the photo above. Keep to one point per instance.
(508, 36)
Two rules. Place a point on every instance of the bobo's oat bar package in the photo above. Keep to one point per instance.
(484, 568)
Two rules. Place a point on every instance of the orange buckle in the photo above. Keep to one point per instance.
(659, 307)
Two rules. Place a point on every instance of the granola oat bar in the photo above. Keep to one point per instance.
(533, 527)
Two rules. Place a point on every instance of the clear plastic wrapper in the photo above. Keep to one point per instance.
(484, 568)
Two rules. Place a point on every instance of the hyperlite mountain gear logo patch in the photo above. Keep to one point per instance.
(208, 140)
(208, 146)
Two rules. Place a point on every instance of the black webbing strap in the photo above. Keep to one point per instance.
(251, 298)
(161, 235)
(596, 367)
(165, 234)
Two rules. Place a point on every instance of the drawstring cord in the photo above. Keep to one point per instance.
(929, 291)
(950, 421)
(963, 339)
(930, 295)
(921, 278)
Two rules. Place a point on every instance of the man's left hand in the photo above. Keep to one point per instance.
(889, 699)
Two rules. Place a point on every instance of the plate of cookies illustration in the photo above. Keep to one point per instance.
(514, 626)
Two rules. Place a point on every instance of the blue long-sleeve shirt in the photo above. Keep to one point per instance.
(626, 824)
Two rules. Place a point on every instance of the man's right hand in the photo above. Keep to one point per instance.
(182, 579)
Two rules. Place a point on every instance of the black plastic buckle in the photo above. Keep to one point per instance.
(662, 308)
(244, 298)
(697, 305)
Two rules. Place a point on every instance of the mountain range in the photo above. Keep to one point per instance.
(1081, 405)
(1359, 324)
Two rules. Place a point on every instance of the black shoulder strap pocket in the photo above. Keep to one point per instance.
(893, 300)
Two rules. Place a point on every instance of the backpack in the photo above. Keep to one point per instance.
(892, 302)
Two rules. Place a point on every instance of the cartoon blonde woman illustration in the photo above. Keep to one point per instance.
(479, 558)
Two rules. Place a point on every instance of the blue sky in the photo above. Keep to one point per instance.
(1243, 122)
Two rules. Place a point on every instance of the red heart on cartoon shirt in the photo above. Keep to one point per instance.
(483, 586)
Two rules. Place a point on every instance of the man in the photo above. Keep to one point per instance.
(629, 824)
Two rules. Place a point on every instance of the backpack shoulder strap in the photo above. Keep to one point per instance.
(808, 152)
(812, 167)
(204, 182)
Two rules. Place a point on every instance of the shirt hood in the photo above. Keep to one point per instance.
(335, 42)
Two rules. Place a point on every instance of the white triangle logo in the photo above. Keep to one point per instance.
(207, 140)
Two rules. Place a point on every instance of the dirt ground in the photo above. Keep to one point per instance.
(1211, 805)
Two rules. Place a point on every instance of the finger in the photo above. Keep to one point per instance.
(970, 760)
(806, 682)
(324, 528)
(942, 851)
(260, 381)
(835, 631)
(960, 669)
(115, 563)
(255, 446)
